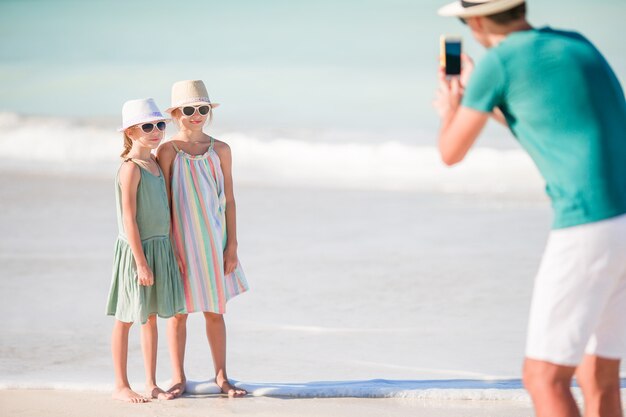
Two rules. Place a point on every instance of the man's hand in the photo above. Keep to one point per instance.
(448, 97)
(450, 92)
(460, 126)
(467, 67)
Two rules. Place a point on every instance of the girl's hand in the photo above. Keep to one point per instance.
(181, 265)
(230, 260)
(145, 276)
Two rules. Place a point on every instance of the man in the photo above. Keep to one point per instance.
(564, 104)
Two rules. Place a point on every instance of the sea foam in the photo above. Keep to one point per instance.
(66, 146)
(421, 390)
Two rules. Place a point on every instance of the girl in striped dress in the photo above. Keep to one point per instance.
(198, 169)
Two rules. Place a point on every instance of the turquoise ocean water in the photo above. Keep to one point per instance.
(346, 65)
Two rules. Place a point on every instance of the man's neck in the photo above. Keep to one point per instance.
(497, 33)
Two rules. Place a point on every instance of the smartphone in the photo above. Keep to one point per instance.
(451, 55)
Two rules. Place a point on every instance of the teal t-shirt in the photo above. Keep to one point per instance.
(566, 107)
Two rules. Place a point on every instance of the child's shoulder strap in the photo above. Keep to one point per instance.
(124, 161)
(175, 147)
(130, 160)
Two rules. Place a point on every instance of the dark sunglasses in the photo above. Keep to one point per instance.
(463, 20)
(149, 127)
(190, 110)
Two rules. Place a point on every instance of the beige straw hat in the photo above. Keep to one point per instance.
(189, 93)
(143, 110)
(471, 8)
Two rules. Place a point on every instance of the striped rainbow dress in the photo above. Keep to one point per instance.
(199, 230)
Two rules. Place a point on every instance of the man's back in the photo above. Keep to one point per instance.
(566, 107)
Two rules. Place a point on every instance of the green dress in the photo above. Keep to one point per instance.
(129, 301)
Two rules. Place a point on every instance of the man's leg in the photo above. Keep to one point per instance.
(578, 306)
(599, 380)
(549, 388)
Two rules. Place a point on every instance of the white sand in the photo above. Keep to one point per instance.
(306, 252)
(27, 403)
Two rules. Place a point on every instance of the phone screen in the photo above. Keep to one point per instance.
(453, 57)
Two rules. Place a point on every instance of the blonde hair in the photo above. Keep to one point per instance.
(128, 144)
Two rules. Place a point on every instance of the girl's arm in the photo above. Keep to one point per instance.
(230, 252)
(165, 157)
(129, 182)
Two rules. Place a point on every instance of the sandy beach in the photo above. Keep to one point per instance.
(61, 229)
(79, 404)
(437, 350)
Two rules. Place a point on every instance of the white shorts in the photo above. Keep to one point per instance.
(579, 299)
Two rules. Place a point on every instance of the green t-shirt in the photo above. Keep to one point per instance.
(566, 107)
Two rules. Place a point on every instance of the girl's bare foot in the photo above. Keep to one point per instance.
(159, 394)
(128, 395)
(177, 389)
(230, 390)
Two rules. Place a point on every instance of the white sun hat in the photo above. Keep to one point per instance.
(143, 110)
(189, 93)
(471, 8)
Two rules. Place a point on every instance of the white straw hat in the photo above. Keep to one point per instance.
(143, 110)
(477, 7)
(189, 93)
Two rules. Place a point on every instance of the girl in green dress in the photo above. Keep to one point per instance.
(146, 279)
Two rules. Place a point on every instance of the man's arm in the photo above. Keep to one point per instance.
(458, 135)
(498, 116)
(460, 126)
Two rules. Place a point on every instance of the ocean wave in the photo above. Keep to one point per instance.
(423, 390)
(56, 144)
(375, 388)
(458, 389)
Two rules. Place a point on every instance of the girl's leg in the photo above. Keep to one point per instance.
(149, 344)
(177, 338)
(119, 349)
(216, 333)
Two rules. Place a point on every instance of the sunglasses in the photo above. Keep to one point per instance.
(149, 127)
(190, 110)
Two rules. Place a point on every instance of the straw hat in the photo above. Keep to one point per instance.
(189, 93)
(477, 7)
(143, 110)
